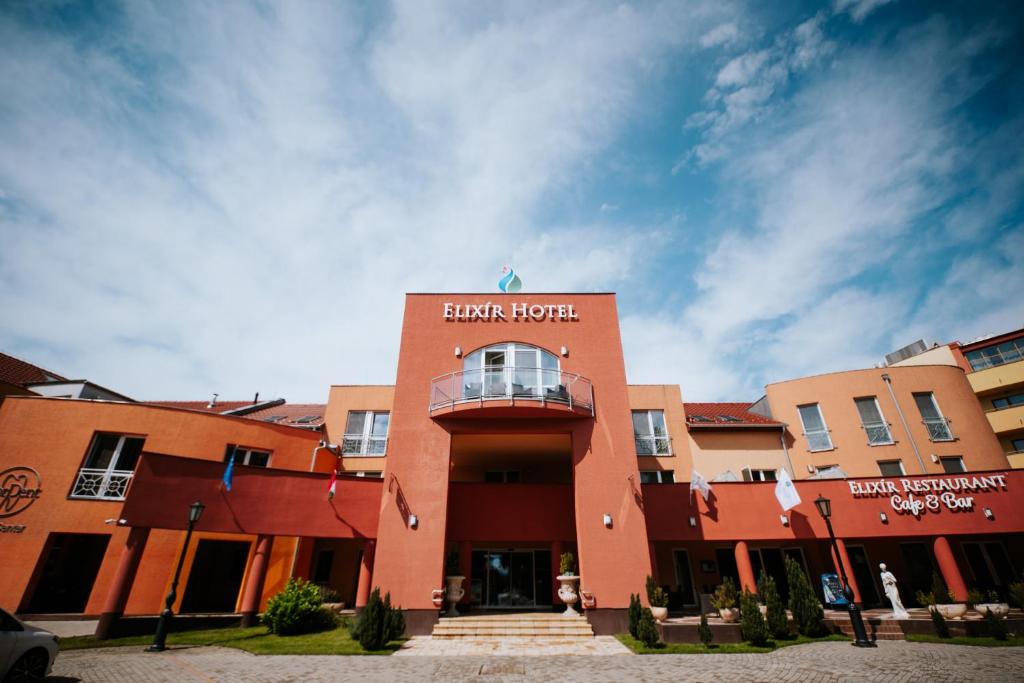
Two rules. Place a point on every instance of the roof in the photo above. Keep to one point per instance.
(725, 415)
(16, 371)
(305, 415)
(203, 406)
(992, 340)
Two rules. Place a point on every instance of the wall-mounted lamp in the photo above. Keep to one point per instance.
(414, 521)
(884, 517)
(565, 352)
(784, 519)
(810, 468)
(458, 352)
(607, 520)
(935, 458)
(693, 521)
(988, 513)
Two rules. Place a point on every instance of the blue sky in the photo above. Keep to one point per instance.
(233, 197)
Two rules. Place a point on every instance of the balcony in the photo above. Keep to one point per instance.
(355, 445)
(1006, 419)
(494, 387)
(997, 378)
(102, 484)
(938, 429)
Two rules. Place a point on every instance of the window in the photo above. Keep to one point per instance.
(729, 418)
(273, 418)
(699, 418)
(109, 467)
(1017, 445)
(871, 420)
(511, 370)
(758, 475)
(502, 477)
(366, 433)
(306, 419)
(952, 464)
(1008, 401)
(657, 477)
(891, 468)
(998, 354)
(247, 456)
(650, 433)
(825, 469)
(815, 430)
(370, 474)
(938, 426)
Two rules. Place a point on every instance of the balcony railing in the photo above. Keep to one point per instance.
(819, 440)
(652, 445)
(359, 444)
(99, 483)
(495, 383)
(878, 433)
(938, 429)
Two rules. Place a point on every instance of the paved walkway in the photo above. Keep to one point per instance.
(66, 629)
(827, 662)
(426, 646)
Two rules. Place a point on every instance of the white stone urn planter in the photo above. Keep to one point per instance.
(453, 592)
(999, 609)
(660, 614)
(955, 610)
(729, 614)
(568, 593)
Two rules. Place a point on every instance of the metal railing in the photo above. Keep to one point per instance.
(360, 444)
(819, 440)
(502, 382)
(99, 483)
(878, 433)
(938, 429)
(652, 445)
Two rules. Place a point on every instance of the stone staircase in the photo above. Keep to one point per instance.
(878, 629)
(547, 625)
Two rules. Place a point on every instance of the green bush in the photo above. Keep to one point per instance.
(939, 621)
(634, 614)
(725, 595)
(704, 631)
(975, 597)
(996, 627)
(567, 564)
(646, 630)
(752, 626)
(803, 602)
(778, 622)
(1017, 594)
(655, 595)
(378, 623)
(298, 609)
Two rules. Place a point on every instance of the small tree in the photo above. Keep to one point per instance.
(803, 602)
(725, 595)
(939, 622)
(752, 626)
(567, 564)
(378, 623)
(996, 627)
(655, 594)
(704, 631)
(778, 622)
(634, 613)
(646, 630)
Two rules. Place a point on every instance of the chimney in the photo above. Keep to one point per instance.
(256, 398)
(213, 402)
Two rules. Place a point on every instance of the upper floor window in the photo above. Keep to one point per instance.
(366, 432)
(997, 354)
(1017, 445)
(247, 456)
(657, 477)
(109, 466)
(891, 468)
(650, 433)
(937, 425)
(815, 429)
(759, 475)
(952, 464)
(1008, 401)
(875, 426)
(511, 369)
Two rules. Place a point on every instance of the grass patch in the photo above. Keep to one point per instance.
(719, 648)
(977, 641)
(256, 640)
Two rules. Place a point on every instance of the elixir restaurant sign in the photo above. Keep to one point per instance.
(488, 312)
(19, 488)
(918, 496)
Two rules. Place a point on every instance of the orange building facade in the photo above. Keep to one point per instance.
(509, 437)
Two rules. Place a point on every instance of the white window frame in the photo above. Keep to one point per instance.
(653, 438)
(944, 458)
(366, 444)
(659, 476)
(931, 424)
(903, 470)
(370, 474)
(748, 474)
(104, 483)
(243, 455)
(824, 431)
(880, 427)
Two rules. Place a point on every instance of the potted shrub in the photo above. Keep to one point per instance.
(658, 599)
(725, 601)
(941, 599)
(453, 580)
(991, 603)
(567, 591)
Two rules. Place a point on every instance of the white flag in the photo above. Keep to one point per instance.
(785, 491)
(699, 483)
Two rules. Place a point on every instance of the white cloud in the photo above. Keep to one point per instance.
(723, 34)
(858, 9)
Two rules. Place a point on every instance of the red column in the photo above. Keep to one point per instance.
(848, 568)
(466, 569)
(556, 561)
(121, 587)
(254, 583)
(746, 570)
(949, 569)
(365, 574)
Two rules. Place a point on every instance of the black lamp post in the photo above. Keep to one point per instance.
(195, 511)
(860, 634)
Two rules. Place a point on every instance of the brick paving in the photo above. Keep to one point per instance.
(426, 646)
(827, 662)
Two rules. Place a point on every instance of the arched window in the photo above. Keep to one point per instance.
(511, 369)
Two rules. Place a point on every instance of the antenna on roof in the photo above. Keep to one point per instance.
(256, 398)
(213, 401)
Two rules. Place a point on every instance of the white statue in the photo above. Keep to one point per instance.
(893, 593)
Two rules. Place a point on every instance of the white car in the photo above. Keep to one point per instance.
(26, 652)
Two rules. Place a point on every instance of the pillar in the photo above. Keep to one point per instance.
(745, 569)
(556, 560)
(365, 574)
(949, 569)
(847, 568)
(121, 587)
(254, 582)
(466, 569)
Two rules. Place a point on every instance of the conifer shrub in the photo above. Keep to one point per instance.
(752, 626)
(634, 613)
(298, 609)
(704, 631)
(378, 623)
(777, 621)
(803, 603)
(939, 622)
(646, 630)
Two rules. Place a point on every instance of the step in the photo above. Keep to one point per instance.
(522, 625)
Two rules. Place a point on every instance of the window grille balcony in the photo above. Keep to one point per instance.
(505, 382)
(653, 445)
(878, 433)
(102, 483)
(361, 444)
(819, 440)
(938, 429)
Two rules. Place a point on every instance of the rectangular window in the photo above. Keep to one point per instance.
(366, 432)
(108, 467)
(1008, 401)
(758, 475)
(371, 475)
(1007, 352)
(952, 464)
(815, 429)
(247, 456)
(875, 426)
(657, 477)
(650, 433)
(937, 425)
(891, 468)
(1017, 445)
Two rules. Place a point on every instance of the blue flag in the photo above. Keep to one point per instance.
(229, 470)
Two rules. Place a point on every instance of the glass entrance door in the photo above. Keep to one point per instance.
(507, 577)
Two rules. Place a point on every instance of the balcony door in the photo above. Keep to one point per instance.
(511, 370)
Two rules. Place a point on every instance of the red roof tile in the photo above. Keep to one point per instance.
(289, 414)
(17, 371)
(714, 413)
(203, 406)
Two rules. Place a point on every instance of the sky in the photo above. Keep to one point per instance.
(232, 197)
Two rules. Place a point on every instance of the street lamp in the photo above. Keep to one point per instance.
(195, 511)
(824, 506)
